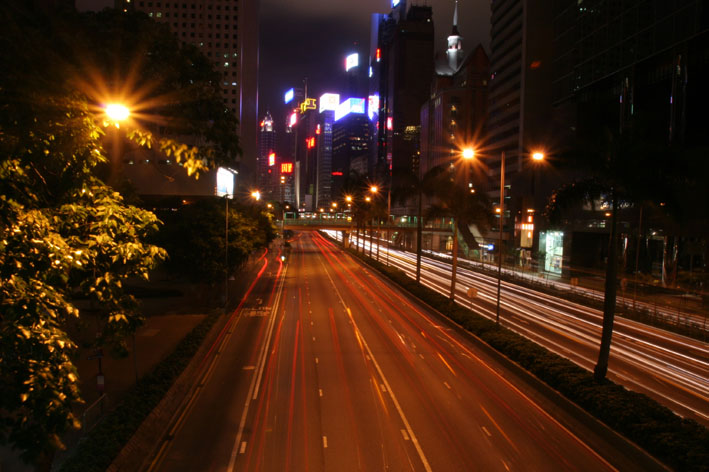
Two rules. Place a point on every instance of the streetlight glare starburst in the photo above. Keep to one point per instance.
(117, 112)
(468, 153)
(538, 156)
(256, 195)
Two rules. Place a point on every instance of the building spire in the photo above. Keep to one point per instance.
(455, 43)
(455, 20)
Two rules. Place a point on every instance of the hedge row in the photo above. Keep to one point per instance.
(101, 446)
(680, 443)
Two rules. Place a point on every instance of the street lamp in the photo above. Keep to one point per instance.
(116, 113)
(256, 195)
(468, 153)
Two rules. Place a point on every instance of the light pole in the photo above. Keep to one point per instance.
(499, 236)
(374, 189)
(116, 113)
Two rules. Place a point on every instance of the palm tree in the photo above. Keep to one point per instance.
(623, 170)
(455, 200)
(412, 185)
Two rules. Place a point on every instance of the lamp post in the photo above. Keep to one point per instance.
(116, 113)
(499, 240)
(374, 189)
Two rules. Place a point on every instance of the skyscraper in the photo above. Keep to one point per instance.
(404, 60)
(519, 95)
(226, 31)
(266, 160)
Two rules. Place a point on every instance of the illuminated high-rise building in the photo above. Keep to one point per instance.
(402, 70)
(266, 165)
(226, 31)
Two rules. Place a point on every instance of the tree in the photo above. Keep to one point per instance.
(454, 199)
(64, 234)
(413, 186)
(623, 169)
(194, 238)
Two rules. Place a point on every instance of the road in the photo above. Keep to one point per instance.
(328, 367)
(670, 368)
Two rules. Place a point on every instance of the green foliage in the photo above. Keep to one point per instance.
(194, 236)
(64, 234)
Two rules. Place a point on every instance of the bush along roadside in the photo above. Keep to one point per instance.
(100, 447)
(681, 444)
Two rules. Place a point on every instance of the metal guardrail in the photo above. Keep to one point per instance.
(343, 223)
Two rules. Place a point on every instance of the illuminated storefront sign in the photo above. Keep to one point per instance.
(288, 97)
(351, 61)
(310, 142)
(390, 123)
(293, 119)
(286, 167)
(551, 243)
(272, 159)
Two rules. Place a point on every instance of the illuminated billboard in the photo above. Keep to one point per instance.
(225, 182)
(351, 105)
(293, 119)
(351, 61)
(286, 167)
(289, 96)
(271, 159)
(373, 106)
(394, 3)
(329, 101)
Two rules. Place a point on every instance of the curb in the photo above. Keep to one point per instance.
(146, 441)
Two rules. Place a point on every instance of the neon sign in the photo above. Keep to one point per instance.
(286, 167)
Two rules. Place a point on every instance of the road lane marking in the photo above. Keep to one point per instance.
(317, 361)
(447, 386)
(243, 447)
(324, 442)
(249, 367)
(313, 338)
(405, 435)
(384, 388)
(394, 400)
(487, 432)
(320, 392)
(447, 364)
(255, 380)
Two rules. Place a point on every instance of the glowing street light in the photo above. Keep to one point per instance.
(256, 195)
(374, 189)
(117, 112)
(538, 156)
(468, 153)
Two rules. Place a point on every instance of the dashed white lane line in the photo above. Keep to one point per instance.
(486, 431)
(405, 435)
(324, 442)
(243, 447)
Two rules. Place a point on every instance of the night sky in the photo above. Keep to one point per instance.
(310, 38)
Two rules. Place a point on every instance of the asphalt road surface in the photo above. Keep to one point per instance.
(327, 367)
(672, 369)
